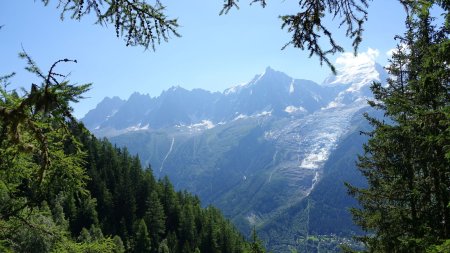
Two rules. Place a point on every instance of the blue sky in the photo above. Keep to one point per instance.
(214, 52)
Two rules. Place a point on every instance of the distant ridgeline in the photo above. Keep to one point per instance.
(273, 153)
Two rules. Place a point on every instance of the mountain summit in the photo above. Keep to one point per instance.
(272, 91)
(272, 153)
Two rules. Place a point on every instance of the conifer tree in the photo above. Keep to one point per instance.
(155, 217)
(255, 243)
(35, 167)
(118, 245)
(163, 247)
(405, 207)
(142, 239)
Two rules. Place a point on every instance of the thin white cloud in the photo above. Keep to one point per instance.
(356, 69)
(390, 52)
(348, 60)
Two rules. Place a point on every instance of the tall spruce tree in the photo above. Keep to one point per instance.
(405, 207)
(155, 217)
(255, 244)
(142, 239)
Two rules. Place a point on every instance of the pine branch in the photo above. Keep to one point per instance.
(308, 30)
(139, 22)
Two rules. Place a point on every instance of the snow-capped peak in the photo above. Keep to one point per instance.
(357, 70)
(356, 74)
(268, 72)
(235, 89)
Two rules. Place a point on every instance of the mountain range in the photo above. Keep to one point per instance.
(272, 153)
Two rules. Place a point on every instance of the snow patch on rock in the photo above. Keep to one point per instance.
(292, 109)
(137, 127)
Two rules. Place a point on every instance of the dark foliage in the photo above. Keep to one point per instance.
(128, 197)
(405, 207)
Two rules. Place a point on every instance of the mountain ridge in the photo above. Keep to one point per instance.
(257, 151)
(272, 91)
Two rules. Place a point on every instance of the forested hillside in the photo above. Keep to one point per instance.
(62, 190)
(131, 204)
